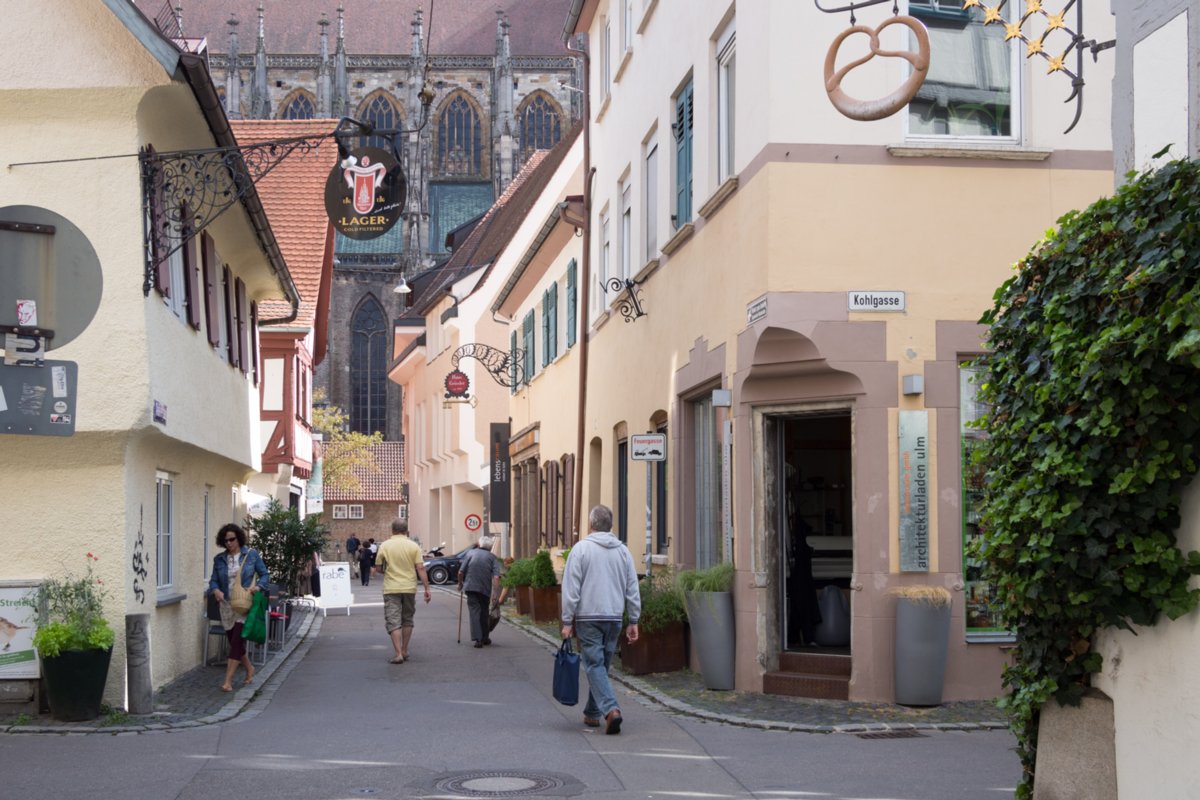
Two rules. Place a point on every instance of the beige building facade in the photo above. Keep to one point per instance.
(812, 286)
(166, 406)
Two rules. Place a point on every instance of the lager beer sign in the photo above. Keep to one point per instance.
(365, 194)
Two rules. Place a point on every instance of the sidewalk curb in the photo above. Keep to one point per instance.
(650, 692)
(246, 702)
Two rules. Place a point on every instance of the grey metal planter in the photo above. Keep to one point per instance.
(710, 616)
(922, 636)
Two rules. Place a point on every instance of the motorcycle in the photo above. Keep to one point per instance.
(436, 552)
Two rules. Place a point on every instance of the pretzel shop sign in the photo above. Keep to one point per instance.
(365, 194)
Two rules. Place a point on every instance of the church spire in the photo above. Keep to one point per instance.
(324, 77)
(260, 96)
(504, 135)
(341, 81)
(233, 80)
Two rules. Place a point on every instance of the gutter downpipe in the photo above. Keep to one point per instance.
(586, 279)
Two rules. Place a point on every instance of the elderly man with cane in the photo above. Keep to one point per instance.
(479, 576)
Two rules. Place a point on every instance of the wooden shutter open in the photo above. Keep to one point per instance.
(243, 318)
(208, 261)
(230, 317)
(191, 278)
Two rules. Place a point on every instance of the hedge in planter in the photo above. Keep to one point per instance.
(518, 578)
(661, 644)
(1094, 390)
(546, 593)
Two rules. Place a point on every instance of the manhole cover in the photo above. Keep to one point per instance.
(893, 735)
(499, 783)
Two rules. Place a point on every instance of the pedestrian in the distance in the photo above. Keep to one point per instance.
(364, 565)
(352, 554)
(599, 587)
(479, 577)
(400, 561)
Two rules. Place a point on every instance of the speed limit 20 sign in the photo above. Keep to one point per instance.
(473, 522)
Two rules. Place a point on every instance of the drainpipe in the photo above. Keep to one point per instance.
(585, 280)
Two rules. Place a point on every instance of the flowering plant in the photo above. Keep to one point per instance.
(71, 612)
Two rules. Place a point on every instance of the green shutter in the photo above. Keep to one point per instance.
(528, 344)
(572, 302)
(512, 364)
(552, 325)
(545, 328)
(683, 156)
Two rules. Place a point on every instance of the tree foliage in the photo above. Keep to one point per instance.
(286, 542)
(1094, 390)
(344, 452)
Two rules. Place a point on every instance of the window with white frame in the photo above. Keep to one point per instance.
(339, 512)
(174, 298)
(972, 85)
(164, 529)
(726, 94)
(355, 511)
(605, 263)
(626, 231)
(402, 511)
(627, 25)
(550, 324)
(650, 181)
(606, 60)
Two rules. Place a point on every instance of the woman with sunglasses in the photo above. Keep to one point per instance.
(245, 563)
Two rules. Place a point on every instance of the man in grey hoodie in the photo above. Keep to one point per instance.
(599, 586)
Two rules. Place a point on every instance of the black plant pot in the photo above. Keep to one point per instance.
(75, 683)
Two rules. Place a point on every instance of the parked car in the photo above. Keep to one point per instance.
(444, 569)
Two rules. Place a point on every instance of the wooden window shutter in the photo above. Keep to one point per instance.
(552, 327)
(512, 364)
(545, 328)
(254, 342)
(243, 317)
(568, 503)
(208, 260)
(191, 278)
(230, 317)
(572, 302)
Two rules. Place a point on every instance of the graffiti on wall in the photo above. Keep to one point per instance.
(139, 561)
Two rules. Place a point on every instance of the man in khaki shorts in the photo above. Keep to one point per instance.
(400, 562)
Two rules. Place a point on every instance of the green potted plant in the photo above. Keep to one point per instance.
(922, 639)
(545, 590)
(662, 641)
(708, 598)
(518, 579)
(74, 642)
(287, 543)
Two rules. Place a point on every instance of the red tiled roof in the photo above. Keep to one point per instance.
(376, 27)
(384, 484)
(293, 194)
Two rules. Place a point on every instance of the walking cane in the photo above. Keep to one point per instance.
(460, 604)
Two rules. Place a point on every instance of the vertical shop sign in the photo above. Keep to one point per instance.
(914, 491)
(498, 491)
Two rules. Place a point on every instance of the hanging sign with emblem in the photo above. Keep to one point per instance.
(458, 385)
(365, 193)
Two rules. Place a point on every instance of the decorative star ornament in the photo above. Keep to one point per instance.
(991, 14)
(1056, 64)
(1012, 31)
(970, 4)
(1032, 6)
(1035, 47)
(1055, 21)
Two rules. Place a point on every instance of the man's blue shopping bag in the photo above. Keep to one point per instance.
(566, 675)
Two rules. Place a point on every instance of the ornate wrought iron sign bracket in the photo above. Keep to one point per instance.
(507, 369)
(631, 306)
(184, 191)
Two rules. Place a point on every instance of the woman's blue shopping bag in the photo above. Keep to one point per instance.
(566, 675)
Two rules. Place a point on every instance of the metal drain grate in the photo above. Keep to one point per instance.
(499, 783)
(893, 735)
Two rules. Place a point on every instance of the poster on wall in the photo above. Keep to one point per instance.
(18, 621)
(335, 587)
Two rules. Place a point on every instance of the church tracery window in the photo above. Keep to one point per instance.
(300, 105)
(459, 138)
(382, 111)
(368, 367)
(541, 124)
